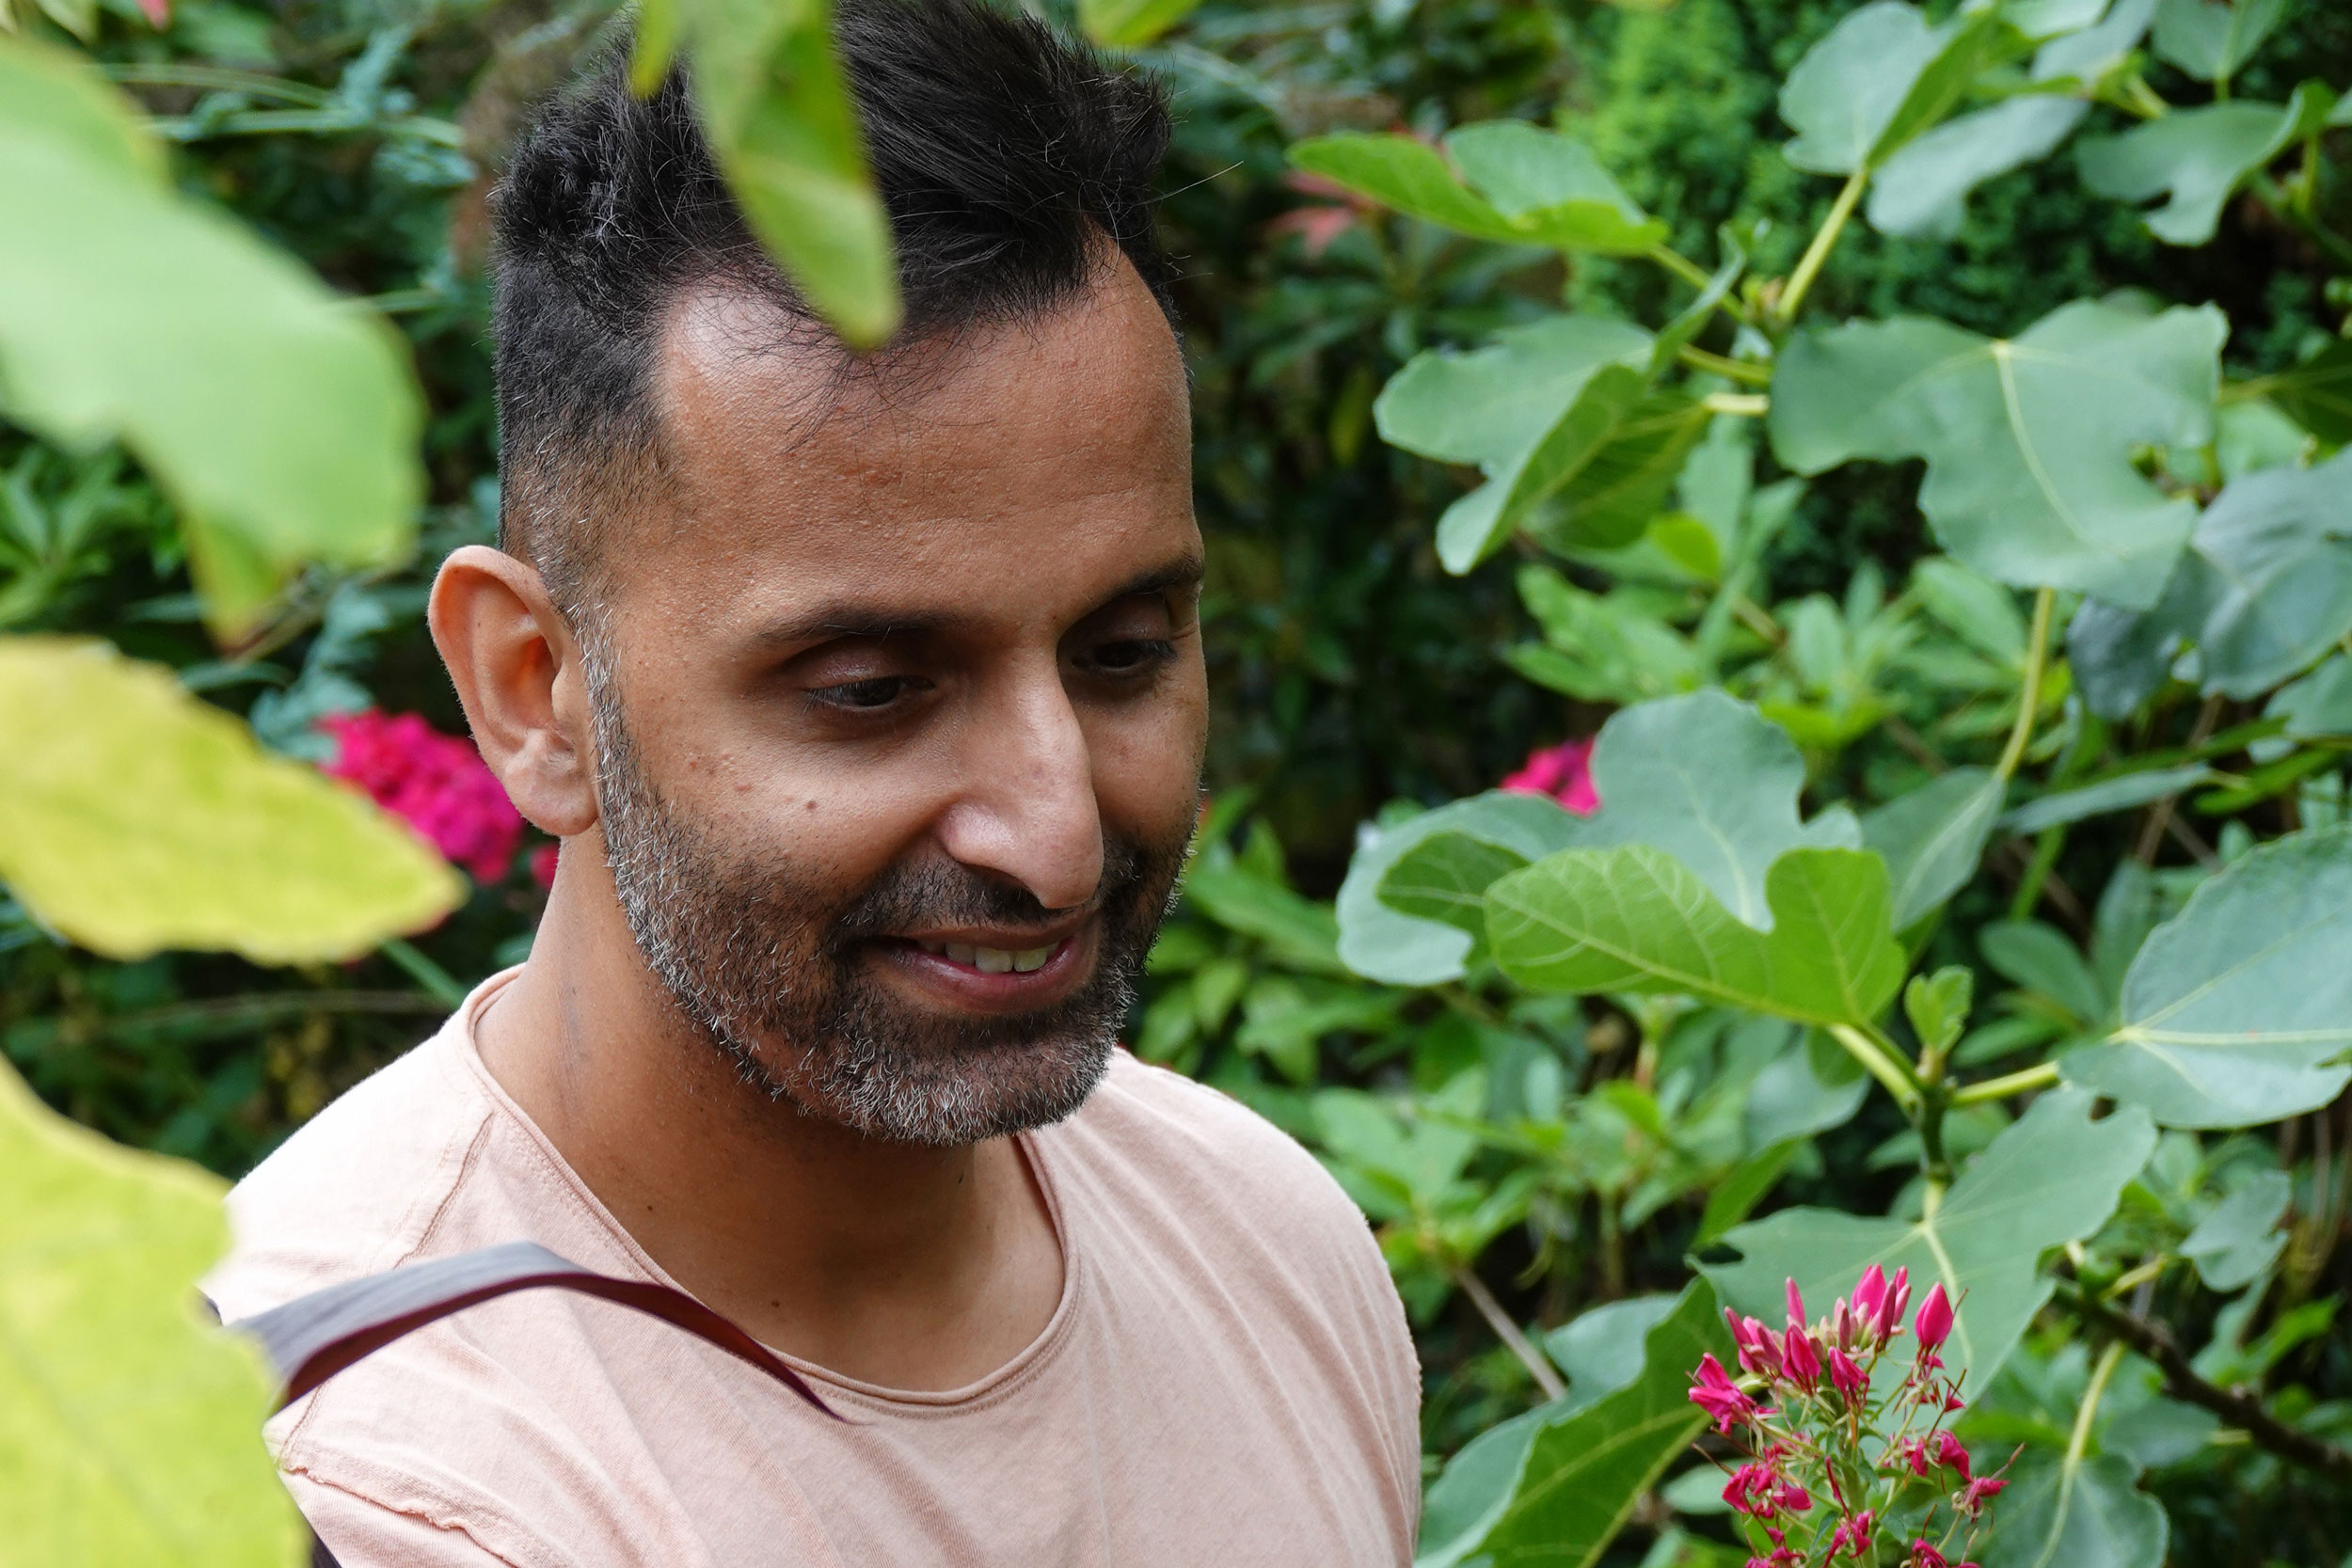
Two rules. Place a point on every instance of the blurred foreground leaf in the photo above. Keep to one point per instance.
(134, 818)
(282, 421)
(130, 1430)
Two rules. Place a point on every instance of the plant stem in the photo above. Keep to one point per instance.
(2040, 1077)
(1680, 265)
(2078, 1441)
(438, 982)
(1746, 406)
(2243, 1411)
(1509, 1333)
(2029, 698)
(1880, 1061)
(1743, 371)
(2037, 876)
(1809, 265)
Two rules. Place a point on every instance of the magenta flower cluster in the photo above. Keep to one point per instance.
(437, 784)
(1827, 1467)
(1563, 772)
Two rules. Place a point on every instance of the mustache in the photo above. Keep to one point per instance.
(948, 893)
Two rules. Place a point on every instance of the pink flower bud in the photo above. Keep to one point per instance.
(1890, 1312)
(1950, 1451)
(1796, 1307)
(1847, 1375)
(1933, 1325)
(1804, 1365)
(1870, 1293)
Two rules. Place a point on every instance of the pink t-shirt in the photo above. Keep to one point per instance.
(1227, 1379)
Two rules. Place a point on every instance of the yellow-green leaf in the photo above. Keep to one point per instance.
(134, 817)
(130, 1429)
(1131, 24)
(265, 405)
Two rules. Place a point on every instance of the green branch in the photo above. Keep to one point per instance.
(2033, 1078)
(2029, 697)
(1809, 265)
(1882, 1061)
(1744, 371)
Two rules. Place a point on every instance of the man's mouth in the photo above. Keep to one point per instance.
(994, 961)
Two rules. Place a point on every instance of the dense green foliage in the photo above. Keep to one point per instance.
(1556, 1058)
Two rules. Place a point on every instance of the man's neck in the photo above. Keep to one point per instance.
(897, 1264)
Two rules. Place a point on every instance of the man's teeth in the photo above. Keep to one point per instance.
(991, 960)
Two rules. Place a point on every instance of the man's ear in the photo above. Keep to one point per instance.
(517, 672)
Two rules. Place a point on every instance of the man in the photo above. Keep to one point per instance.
(868, 699)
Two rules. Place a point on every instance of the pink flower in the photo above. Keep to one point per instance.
(1980, 1491)
(1890, 1308)
(1563, 772)
(1760, 1352)
(1764, 1492)
(1933, 1325)
(1852, 1536)
(437, 784)
(1796, 1307)
(1950, 1451)
(1715, 1393)
(1847, 1377)
(1924, 1555)
(1913, 1453)
(1870, 1292)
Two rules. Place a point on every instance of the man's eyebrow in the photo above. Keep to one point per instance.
(866, 619)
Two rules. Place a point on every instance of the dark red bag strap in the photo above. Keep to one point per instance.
(312, 1338)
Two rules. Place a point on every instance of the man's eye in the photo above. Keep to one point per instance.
(1131, 656)
(865, 696)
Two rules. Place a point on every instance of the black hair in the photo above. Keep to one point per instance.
(1004, 154)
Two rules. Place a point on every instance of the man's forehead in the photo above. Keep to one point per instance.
(1044, 461)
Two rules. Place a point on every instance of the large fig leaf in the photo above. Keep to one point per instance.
(1882, 77)
(1556, 1486)
(134, 818)
(1923, 190)
(2195, 158)
(1383, 943)
(2238, 1010)
(130, 1429)
(1933, 838)
(1553, 188)
(275, 413)
(2211, 41)
(2029, 442)
(2053, 1177)
(2078, 1511)
(2277, 546)
(1636, 919)
(1491, 404)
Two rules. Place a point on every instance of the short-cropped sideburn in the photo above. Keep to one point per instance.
(1006, 156)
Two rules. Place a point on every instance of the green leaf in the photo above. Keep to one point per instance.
(265, 407)
(1407, 175)
(1599, 648)
(2044, 961)
(2278, 544)
(130, 1429)
(2317, 393)
(1556, 1486)
(1608, 496)
(1490, 405)
(2195, 158)
(2238, 1009)
(1933, 838)
(1602, 1349)
(1735, 1196)
(1297, 931)
(1131, 24)
(2081, 1512)
(1802, 1092)
(2029, 442)
(2109, 795)
(1635, 919)
(785, 132)
(2052, 1178)
(1713, 783)
(1553, 188)
(2240, 1238)
(2211, 41)
(1923, 190)
(1445, 878)
(1380, 943)
(134, 817)
(1882, 77)
(2089, 54)
(2320, 704)
(1937, 1005)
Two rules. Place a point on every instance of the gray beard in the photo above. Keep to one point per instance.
(772, 970)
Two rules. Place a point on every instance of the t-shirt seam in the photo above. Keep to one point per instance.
(418, 1514)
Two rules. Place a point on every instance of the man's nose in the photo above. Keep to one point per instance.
(1027, 809)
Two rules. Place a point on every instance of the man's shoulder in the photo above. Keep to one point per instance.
(358, 1188)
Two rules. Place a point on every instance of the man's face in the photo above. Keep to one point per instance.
(900, 708)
